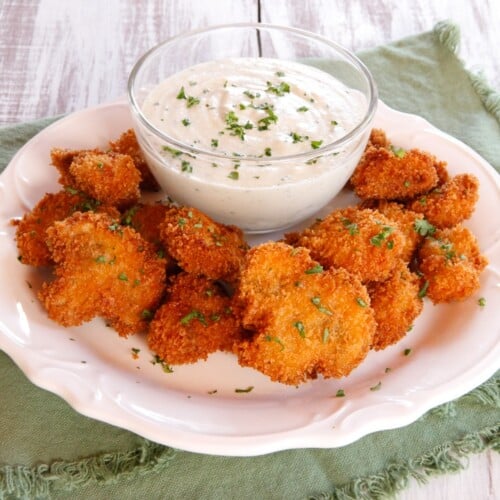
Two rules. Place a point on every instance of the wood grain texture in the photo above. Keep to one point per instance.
(57, 56)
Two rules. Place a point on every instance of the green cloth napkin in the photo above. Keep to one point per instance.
(49, 450)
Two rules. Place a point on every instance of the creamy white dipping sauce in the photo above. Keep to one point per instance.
(247, 113)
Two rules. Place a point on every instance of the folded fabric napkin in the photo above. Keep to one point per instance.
(49, 450)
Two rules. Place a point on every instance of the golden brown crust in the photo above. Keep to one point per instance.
(305, 321)
(30, 230)
(127, 144)
(405, 220)
(102, 269)
(202, 246)
(363, 241)
(396, 305)
(62, 159)
(196, 320)
(381, 174)
(451, 263)
(110, 178)
(451, 203)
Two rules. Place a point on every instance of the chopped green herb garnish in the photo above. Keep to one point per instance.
(316, 144)
(194, 314)
(181, 94)
(172, 151)
(186, 122)
(268, 152)
(302, 109)
(101, 259)
(300, 327)
(326, 335)
(318, 268)
(406, 184)
(234, 175)
(297, 137)
(317, 302)
(71, 190)
(352, 227)
(380, 237)
(399, 152)
(423, 291)
(481, 302)
(263, 123)
(376, 387)
(280, 73)
(191, 101)
(280, 90)
(214, 143)
(424, 227)
(340, 393)
(334, 122)
(269, 338)
(123, 277)
(236, 128)
(361, 302)
(407, 352)
(248, 389)
(135, 350)
(146, 314)
(186, 166)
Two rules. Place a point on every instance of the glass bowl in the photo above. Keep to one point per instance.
(281, 67)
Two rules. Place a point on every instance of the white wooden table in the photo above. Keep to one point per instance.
(58, 56)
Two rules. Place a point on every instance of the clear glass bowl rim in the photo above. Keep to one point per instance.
(302, 157)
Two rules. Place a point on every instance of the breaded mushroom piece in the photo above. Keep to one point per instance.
(384, 173)
(449, 204)
(409, 222)
(30, 230)
(111, 178)
(102, 269)
(305, 320)
(451, 263)
(202, 246)
(363, 241)
(396, 303)
(62, 159)
(127, 144)
(196, 320)
(147, 219)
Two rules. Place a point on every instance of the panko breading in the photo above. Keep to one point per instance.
(451, 203)
(378, 139)
(30, 230)
(406, 221)
(203, 246)
(111, 178)
(127, 144)
(385, 174)
(305, 321)
(363, 241)
(196, 320)
(102, 269)
(62, 159)
(451, 263)
(396, 303)
(147, 219)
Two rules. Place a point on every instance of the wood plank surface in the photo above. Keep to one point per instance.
(57, 56)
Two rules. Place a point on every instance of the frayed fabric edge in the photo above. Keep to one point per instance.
(448, 35)
(444, 459)
(42, 480)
